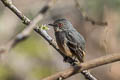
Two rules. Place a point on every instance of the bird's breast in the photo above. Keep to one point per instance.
(60, 36)
(60, 39)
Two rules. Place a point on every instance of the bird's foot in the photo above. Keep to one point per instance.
(70, 60)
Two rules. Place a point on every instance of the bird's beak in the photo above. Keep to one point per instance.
(52, 25)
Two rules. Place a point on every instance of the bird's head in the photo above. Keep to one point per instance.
(61, 25)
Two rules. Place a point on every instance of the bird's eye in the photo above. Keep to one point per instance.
(60, 24)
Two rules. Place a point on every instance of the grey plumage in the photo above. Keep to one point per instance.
(67, 37)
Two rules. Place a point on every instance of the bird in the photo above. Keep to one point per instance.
(71, 43)
(69, 40)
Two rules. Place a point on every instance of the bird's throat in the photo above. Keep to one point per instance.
(57, 30)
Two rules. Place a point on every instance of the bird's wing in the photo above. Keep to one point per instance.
(75, 44)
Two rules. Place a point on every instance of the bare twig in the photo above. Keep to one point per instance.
(31, 24)
(24, 34)
(84, 66)
(77, 4)
(8, 3)
(95, 22)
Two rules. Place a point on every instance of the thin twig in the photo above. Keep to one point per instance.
(85, 66)
(87, 18)
(9, 4)
(26, 32)
(95, 22)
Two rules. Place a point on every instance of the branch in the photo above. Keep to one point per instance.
(31, 24)
(93, 22)
(85, 66)
(23, 35)
(8, 3)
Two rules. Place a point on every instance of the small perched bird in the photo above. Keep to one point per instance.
(69, 40)
(71, 43)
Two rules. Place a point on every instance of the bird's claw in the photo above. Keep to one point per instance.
(70, 60)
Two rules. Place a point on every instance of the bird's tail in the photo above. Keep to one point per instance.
(88, 75)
